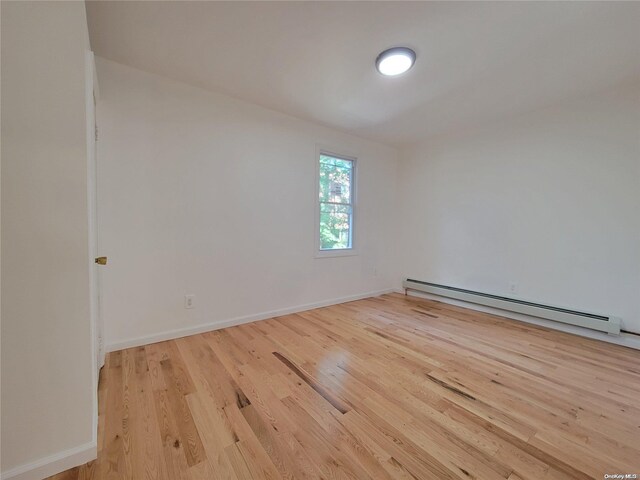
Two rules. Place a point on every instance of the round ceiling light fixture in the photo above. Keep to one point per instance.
(395, 61)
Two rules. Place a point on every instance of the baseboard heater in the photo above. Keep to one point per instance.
(602, 323)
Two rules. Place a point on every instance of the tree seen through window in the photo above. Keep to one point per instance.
(336, 203)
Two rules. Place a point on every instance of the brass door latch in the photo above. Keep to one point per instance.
(101, 260)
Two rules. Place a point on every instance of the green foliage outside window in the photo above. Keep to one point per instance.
(336, 210)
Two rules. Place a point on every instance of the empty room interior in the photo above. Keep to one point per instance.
(320, 240)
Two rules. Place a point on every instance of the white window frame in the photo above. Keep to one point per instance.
(336, 252)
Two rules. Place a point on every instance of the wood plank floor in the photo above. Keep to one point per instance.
(387, 387)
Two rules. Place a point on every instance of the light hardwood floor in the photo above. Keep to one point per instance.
(387, 387)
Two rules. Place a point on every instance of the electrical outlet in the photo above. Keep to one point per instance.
(189, 301)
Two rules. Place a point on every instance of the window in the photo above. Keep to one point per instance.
(335, 208)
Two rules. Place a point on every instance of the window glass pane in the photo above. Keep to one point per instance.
(336, 202)
(335, 209)
(339, 162)
(335, 182)
(335, 226)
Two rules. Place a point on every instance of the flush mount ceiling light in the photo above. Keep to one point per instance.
(395, 61)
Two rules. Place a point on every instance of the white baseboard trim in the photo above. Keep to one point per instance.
(208, 327)
(53, 464)
(624, 339)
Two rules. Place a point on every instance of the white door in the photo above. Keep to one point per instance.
(94, 248)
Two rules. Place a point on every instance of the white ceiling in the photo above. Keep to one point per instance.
(477, 61)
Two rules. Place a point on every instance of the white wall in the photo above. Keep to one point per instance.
(549, 201)
(203, 194)
(47, 391)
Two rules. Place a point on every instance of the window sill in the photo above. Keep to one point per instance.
(342, 252)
